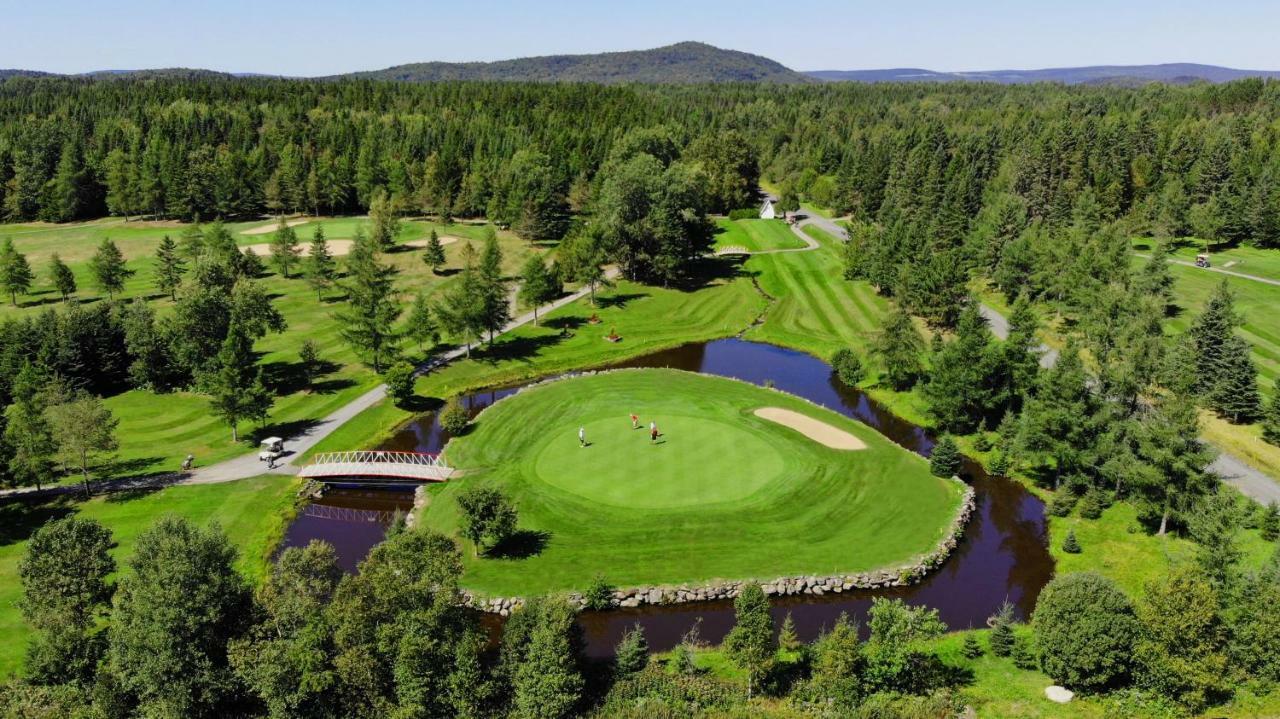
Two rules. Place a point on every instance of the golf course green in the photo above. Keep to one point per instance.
(721, 494)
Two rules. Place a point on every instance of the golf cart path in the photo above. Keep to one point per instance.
(1219, 270)
(1250, 481)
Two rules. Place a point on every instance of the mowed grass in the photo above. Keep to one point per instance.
(1244, 259)
(157, 431)
(756, 235)
(724, 495)
(252, 512)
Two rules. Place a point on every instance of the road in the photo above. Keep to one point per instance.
(1219, 270)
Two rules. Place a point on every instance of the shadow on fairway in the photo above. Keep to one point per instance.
(524, 543)
(620, 300)
(516, 348)
(19, 519)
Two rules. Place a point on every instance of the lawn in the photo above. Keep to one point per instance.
(756, 235)
(723, 495)
(155, 436)
(1242, 258)
(252, 512)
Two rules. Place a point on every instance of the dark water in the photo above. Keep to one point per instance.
(352, 519)
(1003, 556)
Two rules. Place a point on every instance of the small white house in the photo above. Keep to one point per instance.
(767, 211)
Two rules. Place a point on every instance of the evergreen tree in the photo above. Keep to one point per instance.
(26, 430)
(170, 267)
(421, 325)
(249, 264)
(1269, 526)
(972, 647)
(967, 375)
(838, 667)
(108, 268)
(284, 248)
(1021, 351)
(320, 268)
(945, 459)
(788, 641)
(386, 224)
(66, 591)
(1234, 392)
(368, 323)
(15, 273)
(63, 279)
(1155, 279)
(191, 241)
(433, 254)
(1061, 423)
(1002, 636)
(309, 361)
(1169, 446)
(900, 348)
(176, 611)
(1271, 421)
(537, 286)
(235, 386)
(1070, 545)
(462, 310)
(632, 653)
(547, 679)
(750, 644)
(497, 307)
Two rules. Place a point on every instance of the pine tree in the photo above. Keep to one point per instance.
(497, 307)
(1234, 392)
(433, 255)
(284, 248)
(319, 267)
(236, 387)
(1155, 279)
(108, 268)
(249, 264)
(1168, 440)
(421, 324)
(170, 267)
(750, 644)
(1269, 526)
(537, 286)
(788, 641)
(1271, 421)
(632, 653)
(1070, 545)
(900, 348)
(1002, 637)
(1022, 351)
(945, 459)
(26, 430)
(309, 361)
(192, 241)
(972, 647)
(15, 273)
(63, 279)
(548, 682)
(368, 322)
(966, 377)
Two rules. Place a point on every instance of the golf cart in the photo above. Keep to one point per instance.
(272, 449)
(1202, 260)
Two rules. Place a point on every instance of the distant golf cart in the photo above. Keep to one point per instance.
(272, 449)
(1202, 260)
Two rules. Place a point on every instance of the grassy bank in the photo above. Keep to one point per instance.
(252, 512)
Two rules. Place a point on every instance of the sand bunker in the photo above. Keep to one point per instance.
(816, 430)
(268, 229)
(337, 248)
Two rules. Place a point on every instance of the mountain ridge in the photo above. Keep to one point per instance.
(1173, 72)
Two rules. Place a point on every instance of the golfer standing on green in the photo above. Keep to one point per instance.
(582, 436)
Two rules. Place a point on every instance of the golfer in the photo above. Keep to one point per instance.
(653, 433)
(582, 436)
(635, 421)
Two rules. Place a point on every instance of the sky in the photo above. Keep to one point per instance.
(320, 37)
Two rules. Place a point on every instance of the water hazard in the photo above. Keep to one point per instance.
(1003, 556)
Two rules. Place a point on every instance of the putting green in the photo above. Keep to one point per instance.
(696, 460)
(724, 495)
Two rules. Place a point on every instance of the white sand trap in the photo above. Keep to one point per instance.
(814, 429)
(268, 229)
(337, 248)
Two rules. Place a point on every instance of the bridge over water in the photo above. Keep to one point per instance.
(378, 464)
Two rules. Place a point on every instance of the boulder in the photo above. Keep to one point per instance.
(1058, 694)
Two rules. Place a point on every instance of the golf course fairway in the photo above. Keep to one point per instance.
(721, 494)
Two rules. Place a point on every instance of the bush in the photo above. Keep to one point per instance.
(848, 367)
(982, 441)
(1002, 638)
(1070, 545)
(399, 379)
(1270, 522)
(1024, 653)
(632, 653)
(454, 418)
(1086, 630)
(972, 647)
(1062, 503)
(744, 213)
(1000, 465)
(599, 595)
(945, 460)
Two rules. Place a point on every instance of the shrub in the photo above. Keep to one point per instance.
(1070, 545)
(1024, 653)
(945, 460)
(744, 213)
(454, 418)
(632, 653)
(1086, 630)
(1270, 523)
(982, 441)
(599, 595)
(1002, 638)
(1000, 465)
(399, 379)
(1062, 504)
(848, 367)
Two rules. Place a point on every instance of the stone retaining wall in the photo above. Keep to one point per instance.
(815, 585)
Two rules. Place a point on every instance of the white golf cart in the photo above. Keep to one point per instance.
(272, 449)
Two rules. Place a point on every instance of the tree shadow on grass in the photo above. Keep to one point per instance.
(20, 518)
(285, 378)
(515, 348)
(706, 271)
(524, 543)
(140, 467)
(619, 300)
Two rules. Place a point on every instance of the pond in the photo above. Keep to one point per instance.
(1004, 555)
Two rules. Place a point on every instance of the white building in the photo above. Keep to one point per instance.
(766, 210)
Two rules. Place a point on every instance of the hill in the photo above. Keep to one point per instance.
(686, 62)
(1174, 73)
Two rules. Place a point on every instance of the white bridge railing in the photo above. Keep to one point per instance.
(378, 463)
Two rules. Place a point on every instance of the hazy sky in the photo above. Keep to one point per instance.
(316, 37)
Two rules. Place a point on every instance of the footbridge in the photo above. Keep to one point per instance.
(378, 464)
